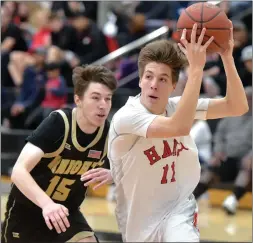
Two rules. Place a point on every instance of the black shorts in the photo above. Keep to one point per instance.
(25, 226)
(228, 170)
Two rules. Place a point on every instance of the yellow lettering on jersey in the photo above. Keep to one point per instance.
(62, 167)
(85, 167)
(95, 164)
(76, 167)
(54, 163)
(72, 163)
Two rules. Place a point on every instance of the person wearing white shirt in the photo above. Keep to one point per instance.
(154, 161)
(202, 136)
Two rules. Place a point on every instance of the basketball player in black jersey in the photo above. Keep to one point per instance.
(43, 205)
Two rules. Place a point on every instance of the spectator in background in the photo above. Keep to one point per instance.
(11, 40)
(132, 17)
(19, 60)
(91, 43)
(55, 95)
(201, 134)
(246, 72)
(30, 95)
(232, 148)
(214, 67)
(62, 34)
(69, 8)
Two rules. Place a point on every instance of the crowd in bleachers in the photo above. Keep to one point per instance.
(42, 42)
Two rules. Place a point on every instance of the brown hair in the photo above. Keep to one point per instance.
(86, 74)
(162, 51)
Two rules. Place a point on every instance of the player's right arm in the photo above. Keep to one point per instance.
(180, 123)
(29, 157)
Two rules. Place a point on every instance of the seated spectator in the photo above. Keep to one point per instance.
(30, 95)
(11, 40)
(232, 145)
(133, 15)
(19, 60)
(91, 44)
(55, 95)
(70, 8)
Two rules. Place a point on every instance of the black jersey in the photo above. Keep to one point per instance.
(69, 153)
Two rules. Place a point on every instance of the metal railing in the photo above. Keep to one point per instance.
(159, 33)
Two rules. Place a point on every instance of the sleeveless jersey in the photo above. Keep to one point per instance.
(58, 173)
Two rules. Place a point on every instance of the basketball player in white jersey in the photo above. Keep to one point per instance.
(153, 159)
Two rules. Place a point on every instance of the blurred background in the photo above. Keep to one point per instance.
(41, 43)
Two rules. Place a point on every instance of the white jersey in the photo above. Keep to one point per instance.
(151, 175)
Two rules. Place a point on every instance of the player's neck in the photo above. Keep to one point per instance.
(153, 110)
(84, 124)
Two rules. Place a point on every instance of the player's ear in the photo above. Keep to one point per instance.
(77, 100)
(140, 82)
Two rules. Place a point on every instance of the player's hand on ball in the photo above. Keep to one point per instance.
(229, 52)
(55, 215)
(194, 50)
(99, 175)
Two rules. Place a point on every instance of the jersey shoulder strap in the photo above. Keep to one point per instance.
(60, 149)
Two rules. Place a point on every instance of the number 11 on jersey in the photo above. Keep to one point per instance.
(165, 173)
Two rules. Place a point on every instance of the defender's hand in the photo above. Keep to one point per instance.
(97, 175)
(56, 214)
(195, 51)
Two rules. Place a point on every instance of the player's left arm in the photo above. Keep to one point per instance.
(235, 102)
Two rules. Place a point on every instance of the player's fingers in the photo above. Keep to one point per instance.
(182, 48)
(231, 34)
(208, 42)
(100, 184)
(64, 218)
(92, 171)
(91, 176)
(194, 32)
(55, 223)
(65, 210)
(48, 223)
(183, 38)
(60, 222)
(201, 37)
(96, 179)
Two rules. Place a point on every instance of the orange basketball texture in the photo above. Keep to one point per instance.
(212, 18)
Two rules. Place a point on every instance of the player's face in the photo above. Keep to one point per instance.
(95, 104)
(156, 86)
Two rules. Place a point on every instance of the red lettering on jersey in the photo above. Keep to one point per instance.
(166, 149)
(165, 172)
(181, 149)
(175, 147)
(152, 155)
(173, 172)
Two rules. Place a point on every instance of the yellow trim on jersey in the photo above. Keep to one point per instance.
(73, 134)
(81, 235)
(7, 221)
(60, 149)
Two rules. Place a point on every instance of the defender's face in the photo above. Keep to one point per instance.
(156, 86)
(95, 103)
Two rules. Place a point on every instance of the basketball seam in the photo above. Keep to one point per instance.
(201, 15)
(206, 28)
(202, 21)
(216, 43)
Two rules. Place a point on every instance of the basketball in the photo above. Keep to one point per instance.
(210, 16)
